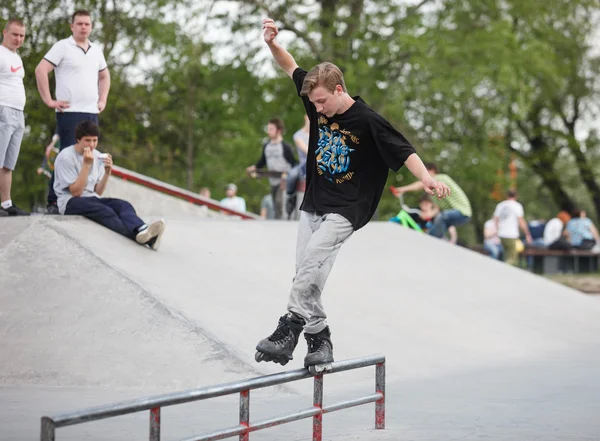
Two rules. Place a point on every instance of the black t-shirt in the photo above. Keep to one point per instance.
(348, 159)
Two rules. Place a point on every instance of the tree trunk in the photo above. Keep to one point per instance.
(189, 162)
(586, 173)
(544, 169)
(541, 160)
(327, 25)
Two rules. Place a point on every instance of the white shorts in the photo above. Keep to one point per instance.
(12, 128)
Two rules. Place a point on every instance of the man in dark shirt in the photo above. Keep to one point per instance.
(350, 150)
(277, 156)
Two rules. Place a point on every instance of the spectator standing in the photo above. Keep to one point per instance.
(299, 171)
(509, 216)
(12, 105)
(267, 210)
(277, 156)
(82, 84)
(232, 200)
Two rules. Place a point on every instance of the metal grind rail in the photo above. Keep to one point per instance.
(243, 429)
(163, 187)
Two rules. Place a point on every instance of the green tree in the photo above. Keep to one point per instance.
(127, 34)
(527, 70)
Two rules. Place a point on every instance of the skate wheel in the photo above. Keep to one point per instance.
(319, 368)
(261, 356)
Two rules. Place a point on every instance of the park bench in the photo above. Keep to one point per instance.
(545, 261)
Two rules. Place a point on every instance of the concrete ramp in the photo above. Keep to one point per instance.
(475, 349)
(70, 319)
(148, 202)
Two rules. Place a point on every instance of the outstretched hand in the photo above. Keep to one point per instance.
(397, 191)
(270, 30)
(433, 187)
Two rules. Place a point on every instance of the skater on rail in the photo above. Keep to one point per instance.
(350, 150)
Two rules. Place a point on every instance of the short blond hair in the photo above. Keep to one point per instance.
(326, 74)
(15, 21)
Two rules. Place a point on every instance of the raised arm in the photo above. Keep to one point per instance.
(283, 58)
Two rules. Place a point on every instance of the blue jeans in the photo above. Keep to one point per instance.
(66, 123)
(293, 176)
(445, 220)
(115, 214)
(495, 249)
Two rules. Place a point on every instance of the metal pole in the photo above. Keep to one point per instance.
(245, 414)
(47, 432)
(155, 424)
(153, 404)
(318, 403)
(380, 404)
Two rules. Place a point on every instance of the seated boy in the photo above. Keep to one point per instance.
(429, 212)
(81, 174)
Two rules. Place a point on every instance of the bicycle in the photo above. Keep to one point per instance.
(405, 216)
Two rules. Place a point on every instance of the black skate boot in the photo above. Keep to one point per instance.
(320, 351)
(280, 345)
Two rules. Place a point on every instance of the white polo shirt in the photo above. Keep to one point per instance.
(76, 73)
(12, 90)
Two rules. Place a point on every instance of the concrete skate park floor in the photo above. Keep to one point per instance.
(475, 349)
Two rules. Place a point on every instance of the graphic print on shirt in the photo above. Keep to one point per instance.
(333, 154)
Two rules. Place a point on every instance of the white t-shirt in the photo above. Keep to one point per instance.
(508, 213)
(67, 166)
(553, 231)
(302, 136)
(12, 90)
(490, 228)
(235, 203)
(76, 73)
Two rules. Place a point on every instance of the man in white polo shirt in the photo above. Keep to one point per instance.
(82, 83)
(509, 216)
(12, 104)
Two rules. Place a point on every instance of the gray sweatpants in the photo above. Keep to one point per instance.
(319, 241)
(12, 128)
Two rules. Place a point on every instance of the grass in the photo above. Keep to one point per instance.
(588, 283)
